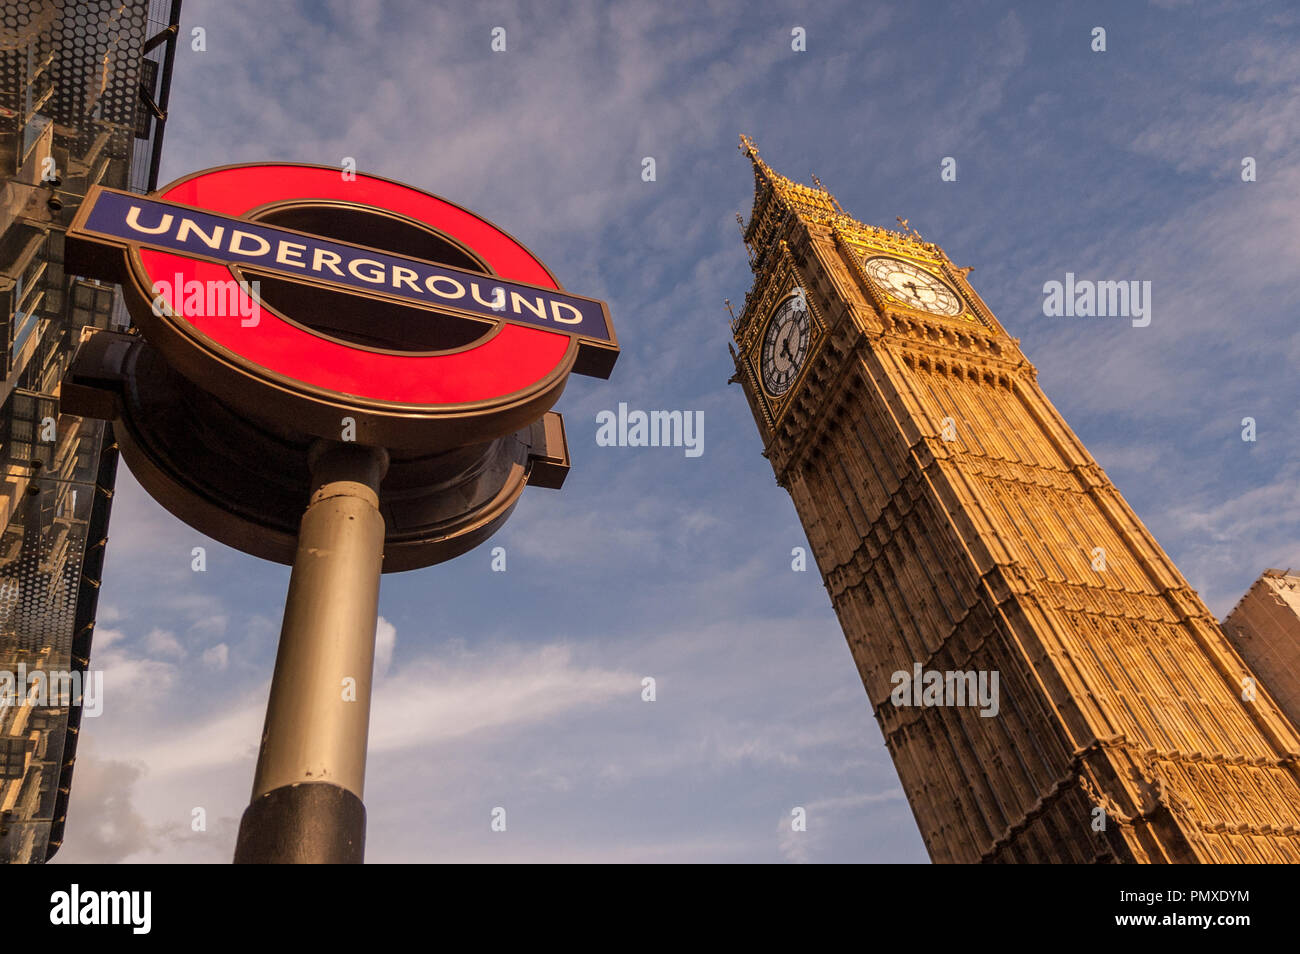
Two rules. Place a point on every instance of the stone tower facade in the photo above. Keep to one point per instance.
(962, 531)
(1264, 627)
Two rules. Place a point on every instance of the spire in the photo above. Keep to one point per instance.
(777, 199)
(763, 174)
(814, 199)
(775, 196)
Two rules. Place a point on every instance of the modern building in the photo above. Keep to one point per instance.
(1264, 627)
(963, 533)
(83, 101)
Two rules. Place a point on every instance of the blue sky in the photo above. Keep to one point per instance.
(523, 689)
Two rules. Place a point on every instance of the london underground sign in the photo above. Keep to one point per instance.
(442, 330)
(370, 393)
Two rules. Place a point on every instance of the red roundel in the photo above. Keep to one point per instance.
(513, 360)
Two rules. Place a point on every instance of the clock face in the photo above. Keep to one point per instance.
(785, 344)
(913, 286)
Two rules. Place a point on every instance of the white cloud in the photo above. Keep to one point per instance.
(103, 823)
(106, 636)
(163, 643)
(822, 818)
(436, 699)
(218, 656)
(385, 642)
(544, 728)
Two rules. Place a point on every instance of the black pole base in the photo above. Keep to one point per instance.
(304, 824)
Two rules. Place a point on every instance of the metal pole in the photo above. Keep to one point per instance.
(307, 792)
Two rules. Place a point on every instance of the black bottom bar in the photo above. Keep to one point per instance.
(898, 906)
(304, 824)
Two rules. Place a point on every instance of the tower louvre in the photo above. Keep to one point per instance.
(959, 525)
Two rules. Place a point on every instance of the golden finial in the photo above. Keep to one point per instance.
(817, 182)
(727, 302)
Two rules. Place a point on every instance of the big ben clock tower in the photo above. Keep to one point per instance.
(1047, 683)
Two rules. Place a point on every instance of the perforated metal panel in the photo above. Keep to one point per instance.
(85, 56)
(41, 555)
(41, 550)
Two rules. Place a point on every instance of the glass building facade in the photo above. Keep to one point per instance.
(83, 101)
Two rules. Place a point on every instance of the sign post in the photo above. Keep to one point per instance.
(372, 351)
(318, 716)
